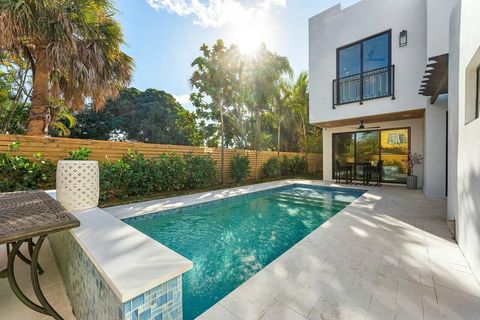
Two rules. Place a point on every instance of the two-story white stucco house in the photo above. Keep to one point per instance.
(390, 78)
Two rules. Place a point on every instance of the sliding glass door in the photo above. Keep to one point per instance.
(395, 148)
(357, 148)
(366, 149)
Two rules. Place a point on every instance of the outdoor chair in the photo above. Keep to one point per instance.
(375, 172)
(343, 171)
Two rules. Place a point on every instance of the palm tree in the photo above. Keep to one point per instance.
(264, 71)
(299, 105)
(73, 47)
(280, 107)
(215, 77)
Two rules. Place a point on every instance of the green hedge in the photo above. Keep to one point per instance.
(132, 175)
(240, 168)
(276, 167)
(19, 173)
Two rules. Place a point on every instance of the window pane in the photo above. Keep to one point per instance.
(349, 61)
(344, 147)
(348, 69)
(367, 150)
(394, 145)
(376, 53)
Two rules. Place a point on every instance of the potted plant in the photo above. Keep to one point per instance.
(412, 161)
(78, 181)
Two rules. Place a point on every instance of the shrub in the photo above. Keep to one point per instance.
(286, 166)
(298, 165)
(272, 168)
(112, 180)
(139, 178)
(135, 175)
(201, 171)
(19, 173)
(240, 168)
(81, 153)
(170, 172)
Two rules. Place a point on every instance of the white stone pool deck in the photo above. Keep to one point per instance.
(388, 255)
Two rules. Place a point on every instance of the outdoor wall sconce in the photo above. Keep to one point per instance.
(403, 38)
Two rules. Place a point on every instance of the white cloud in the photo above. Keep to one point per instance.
(217, 13)
(184, 100)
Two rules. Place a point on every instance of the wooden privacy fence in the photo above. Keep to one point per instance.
(55, 149)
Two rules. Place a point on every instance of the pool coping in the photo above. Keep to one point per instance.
(138, 209)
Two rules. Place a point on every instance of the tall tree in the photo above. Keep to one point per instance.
(299, 105)
(264, 71)
(280, 108)
(215, 78)
(73, 47)
(159, 118)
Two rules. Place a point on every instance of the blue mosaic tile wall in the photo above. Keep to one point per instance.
(89, 294)
(163, 302)
(92, 298)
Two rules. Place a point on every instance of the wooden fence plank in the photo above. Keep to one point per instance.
(55, 149)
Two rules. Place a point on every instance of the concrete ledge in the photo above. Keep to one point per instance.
(107, 260)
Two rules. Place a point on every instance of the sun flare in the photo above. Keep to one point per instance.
(249, 37)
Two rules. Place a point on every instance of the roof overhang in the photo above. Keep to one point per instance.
(435, 80)
(394, 116)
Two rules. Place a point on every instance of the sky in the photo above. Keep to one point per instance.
(164, 36)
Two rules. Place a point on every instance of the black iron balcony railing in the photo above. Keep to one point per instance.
(374, 84)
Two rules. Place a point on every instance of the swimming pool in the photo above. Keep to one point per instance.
(232, 239)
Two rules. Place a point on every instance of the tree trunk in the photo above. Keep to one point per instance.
(278, 138)
(39, 117)
(306, 144)
(257, 138)
(222, 148)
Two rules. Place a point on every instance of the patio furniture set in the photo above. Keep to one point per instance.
(364, 172)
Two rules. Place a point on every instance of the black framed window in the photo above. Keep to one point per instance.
(364, 70)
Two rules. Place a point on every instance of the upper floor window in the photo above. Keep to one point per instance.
(364, 70)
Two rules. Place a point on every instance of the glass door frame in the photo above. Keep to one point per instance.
(354, 173)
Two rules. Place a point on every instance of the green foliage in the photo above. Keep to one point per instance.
(240, 168)
(286, 166)
(200, 172)
(272, 168)
(81, 153)
(19, 173)
(298, 165)
(14, 94)
(152, 116)
(171, 172)
(134, 175)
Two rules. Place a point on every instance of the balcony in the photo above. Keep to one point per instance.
(374, 84)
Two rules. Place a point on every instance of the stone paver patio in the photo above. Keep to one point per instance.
(12, 309)
(388, 255)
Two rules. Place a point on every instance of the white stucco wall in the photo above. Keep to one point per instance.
(438, 15)
(417, 139)
(435, 162)
(464, 142)
(335, 28)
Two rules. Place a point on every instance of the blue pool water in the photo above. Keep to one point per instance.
(231, 240)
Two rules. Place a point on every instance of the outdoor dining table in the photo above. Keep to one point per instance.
(26, 215)
(365, 169)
